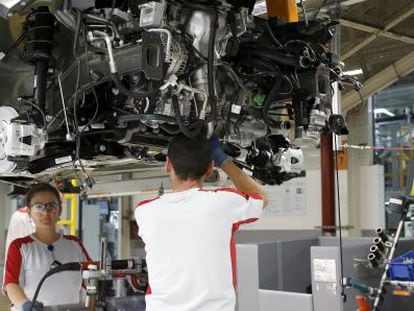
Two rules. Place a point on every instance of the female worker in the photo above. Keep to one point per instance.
(30, 257)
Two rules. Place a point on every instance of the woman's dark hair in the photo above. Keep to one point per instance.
(190, 157)
(41, 187)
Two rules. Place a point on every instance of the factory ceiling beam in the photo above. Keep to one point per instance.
(351, 2)
(379, 81)
(382, 32)
(147, 183)
(376, 31)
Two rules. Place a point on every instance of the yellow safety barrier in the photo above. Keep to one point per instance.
(72, 222)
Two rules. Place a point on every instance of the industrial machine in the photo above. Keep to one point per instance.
(96, 83)
(104, 283)
(396, 274)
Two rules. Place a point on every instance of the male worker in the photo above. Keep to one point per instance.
(109, 231)
(188, 234)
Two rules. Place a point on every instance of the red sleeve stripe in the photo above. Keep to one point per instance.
(233, 247)
(23, 209)
(76, 239)
(245, 195)
(14, 260)
(146, 201)
(148, 291)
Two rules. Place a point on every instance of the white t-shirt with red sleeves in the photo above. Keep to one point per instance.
(29, 259)
(189, 246)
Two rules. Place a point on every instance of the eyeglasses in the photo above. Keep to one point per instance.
(45, 207)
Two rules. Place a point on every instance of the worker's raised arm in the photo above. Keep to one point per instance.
(241, 180)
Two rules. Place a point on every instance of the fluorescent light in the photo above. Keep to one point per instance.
(354, 72)
(9, 3)
(2, 55)
(384, 111)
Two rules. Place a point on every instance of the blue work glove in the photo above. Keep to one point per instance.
(217, 151)
(27, 306)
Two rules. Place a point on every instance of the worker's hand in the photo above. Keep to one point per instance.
(27, 306)
(217, 151)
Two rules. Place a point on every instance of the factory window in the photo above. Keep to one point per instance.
(394, 128)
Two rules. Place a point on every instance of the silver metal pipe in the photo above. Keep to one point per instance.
(68, 134)
(169, 40)
(387, 266)
(100, 35)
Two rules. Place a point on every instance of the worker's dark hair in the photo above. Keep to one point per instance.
(41, 187)
(190, 157)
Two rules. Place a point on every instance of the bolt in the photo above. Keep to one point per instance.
(115, 91)
(102, 148)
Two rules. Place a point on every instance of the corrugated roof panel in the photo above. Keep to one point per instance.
(405, 28)
(377, 13)
(351, 37)
(378, 55)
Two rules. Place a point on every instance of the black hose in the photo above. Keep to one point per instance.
(211, 55)
(170, 129)
(268, 101)
(42, 114)
(123, 120)
(210, 67)
(260, 63)
(77, 33)
(187, 131)
(279, 58)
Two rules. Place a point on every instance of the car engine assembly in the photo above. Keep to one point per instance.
(115, 80)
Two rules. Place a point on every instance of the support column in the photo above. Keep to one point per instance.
(327, 150)
(328, 184)
(4, 216)
(124, 208)
(4, 220)
(360, 127)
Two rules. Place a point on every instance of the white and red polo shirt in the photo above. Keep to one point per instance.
(190, 250)
(29, 259)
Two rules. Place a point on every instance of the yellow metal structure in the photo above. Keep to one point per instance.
(72, 221)
(284, 9)
(406, 156)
